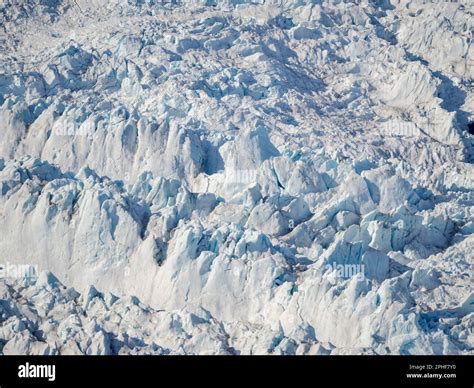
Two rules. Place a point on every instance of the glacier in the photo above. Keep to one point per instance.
(237, 177)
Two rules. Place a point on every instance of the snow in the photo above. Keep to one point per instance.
(237, 177)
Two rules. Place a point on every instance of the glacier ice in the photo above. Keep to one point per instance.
(237, 177)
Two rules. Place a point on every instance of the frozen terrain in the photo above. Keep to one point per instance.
(236, 177)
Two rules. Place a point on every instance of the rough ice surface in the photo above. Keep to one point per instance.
(237, 177)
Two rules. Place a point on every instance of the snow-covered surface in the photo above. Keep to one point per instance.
(220, 165)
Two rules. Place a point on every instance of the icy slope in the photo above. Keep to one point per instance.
(270, 178)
